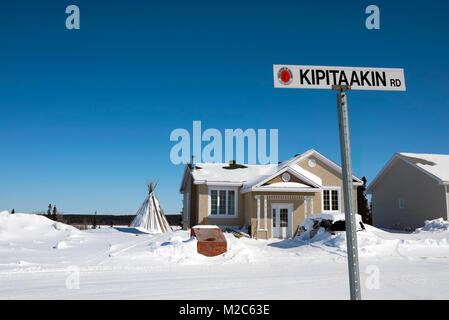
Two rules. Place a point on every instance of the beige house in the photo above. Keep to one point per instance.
(411, 188)
(270, 200)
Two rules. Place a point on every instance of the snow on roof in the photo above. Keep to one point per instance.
(306, 173)
(211, 172)
(273, 171)
(435, 164)
(254, 174)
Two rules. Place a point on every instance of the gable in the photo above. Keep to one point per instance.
(325, 162)
(399, 172)
(399, 167)
(293, 178)
(328, 175)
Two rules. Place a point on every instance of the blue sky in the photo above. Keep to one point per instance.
(86, 114)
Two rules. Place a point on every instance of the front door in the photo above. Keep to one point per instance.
(281, 219)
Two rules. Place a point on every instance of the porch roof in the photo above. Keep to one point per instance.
(287, 187)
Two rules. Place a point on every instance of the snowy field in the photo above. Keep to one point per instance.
(41, 259)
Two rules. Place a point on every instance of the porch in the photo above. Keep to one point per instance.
(279, 215)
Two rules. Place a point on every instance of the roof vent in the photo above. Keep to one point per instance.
(233, 165)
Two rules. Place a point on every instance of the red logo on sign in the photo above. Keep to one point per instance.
(285, 76)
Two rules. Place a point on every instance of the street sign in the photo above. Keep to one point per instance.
(319, 77)
(342, 79)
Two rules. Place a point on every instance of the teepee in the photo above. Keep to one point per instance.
(150, 215)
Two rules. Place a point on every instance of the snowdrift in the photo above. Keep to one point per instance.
(24, 227)
(435, 225)
(427, 241)
(321, 224)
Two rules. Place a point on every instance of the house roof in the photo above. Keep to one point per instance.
(254, 176)
(217, 172)
(434, 165)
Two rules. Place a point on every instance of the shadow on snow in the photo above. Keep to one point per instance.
(130, 230)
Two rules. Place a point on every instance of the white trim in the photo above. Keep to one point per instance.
(274, 189)
(236, 202)
(330, 199)
(218, 183)
(285, 197)
(258, 212)
(291, 171)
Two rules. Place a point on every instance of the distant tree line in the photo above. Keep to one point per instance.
(52, 213)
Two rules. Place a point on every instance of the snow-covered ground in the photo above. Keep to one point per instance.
(42, 259)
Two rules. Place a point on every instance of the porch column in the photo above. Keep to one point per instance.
(311, 205)
(258, 212)
(265, 212)
(305, 207)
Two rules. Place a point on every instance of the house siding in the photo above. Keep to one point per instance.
(329, 177)
(447, 202)
(186, 202)
(424, 198)
(194, 204)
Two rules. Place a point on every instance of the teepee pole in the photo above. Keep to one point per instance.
(156, 208)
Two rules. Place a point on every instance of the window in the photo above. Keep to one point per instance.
(331, 200)
(222, 202)
(334, 200)
(283, 217)
(231, 202)
(326, 200)
(213, 201)
(401, 203)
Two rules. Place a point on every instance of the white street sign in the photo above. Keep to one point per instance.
(319, 77)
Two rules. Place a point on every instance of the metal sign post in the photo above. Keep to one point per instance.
(350, 222)
(342, 79)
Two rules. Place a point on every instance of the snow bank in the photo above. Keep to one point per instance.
(435, 225)
(334, 217)
(28, 227)
(205, 226)
(308, 223)
(178, 248)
